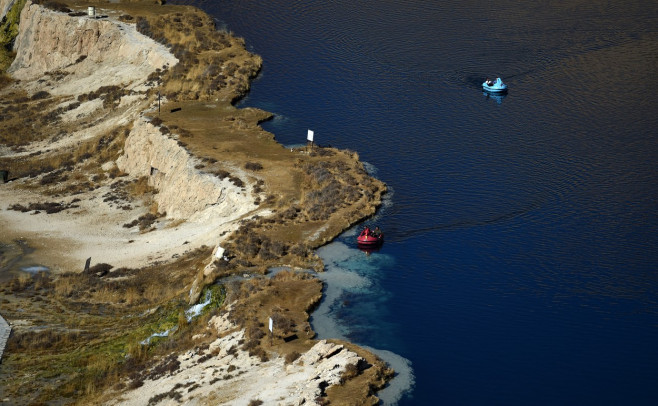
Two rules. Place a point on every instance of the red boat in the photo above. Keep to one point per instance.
(370, 238)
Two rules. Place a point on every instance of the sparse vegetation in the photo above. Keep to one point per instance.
(48, 207)
(253, 166)
(92, 325)
(292, 357)
(98, 298)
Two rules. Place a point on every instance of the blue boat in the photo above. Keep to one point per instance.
(494, 87)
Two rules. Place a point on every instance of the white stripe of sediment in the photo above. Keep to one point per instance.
(5, 329)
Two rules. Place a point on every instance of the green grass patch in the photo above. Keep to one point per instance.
(8, 33)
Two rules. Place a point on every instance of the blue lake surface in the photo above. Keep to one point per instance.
(520, 262)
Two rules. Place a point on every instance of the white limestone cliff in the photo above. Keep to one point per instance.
(183, 191)
(90, 52)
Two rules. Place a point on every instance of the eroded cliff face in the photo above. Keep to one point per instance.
(183, 191)
(87, 53)
(71, 57)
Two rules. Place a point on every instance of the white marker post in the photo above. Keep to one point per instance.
(271, 330)
(309, 138)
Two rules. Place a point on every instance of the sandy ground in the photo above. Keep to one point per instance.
(66, 239)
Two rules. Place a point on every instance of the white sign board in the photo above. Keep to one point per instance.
(310, 135)
(271, 324)
(220, 252)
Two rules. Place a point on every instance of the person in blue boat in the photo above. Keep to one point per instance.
(489, 82)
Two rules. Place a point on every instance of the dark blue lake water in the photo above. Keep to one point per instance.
(520, 262)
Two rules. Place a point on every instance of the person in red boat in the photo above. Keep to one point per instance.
(376, 232)
(366, 231)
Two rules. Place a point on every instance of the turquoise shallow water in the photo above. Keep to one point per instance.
(520, 258)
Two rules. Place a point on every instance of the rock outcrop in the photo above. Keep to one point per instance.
(83, 50)
(183, 191)
(225, 374)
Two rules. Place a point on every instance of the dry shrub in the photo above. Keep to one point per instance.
(282, 323)
(172, 394)
(351, 371)
(300, 250)
(20, 283)
(236, 181)
(144, 221)
(141, 187)
(221, 174)
(5, 80)
(40, 95)
(167, 366)
(292, 357)
(254, 332)
(253, 166)
(48, 207)
(260, 353)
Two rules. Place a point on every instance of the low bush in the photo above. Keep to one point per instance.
(48, 207)
(40, 95)
(292, 357)
(168, 366)
(283, 323)
(253, 166)
(351, 371)
(145, 221)
(236, 181)
(172, 394)
(143, 27)
(53, 177)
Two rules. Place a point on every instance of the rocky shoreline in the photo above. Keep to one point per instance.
(98, 169)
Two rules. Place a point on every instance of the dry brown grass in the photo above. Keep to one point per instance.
(133, 287)
(287, 298)
(90, 321)
(214, 66)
